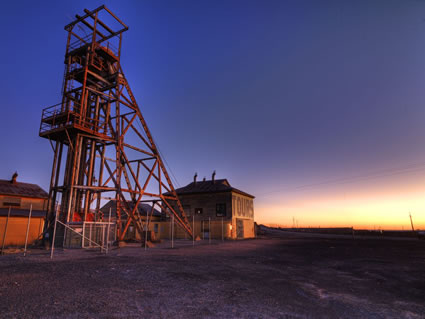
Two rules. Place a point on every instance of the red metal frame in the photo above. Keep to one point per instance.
(94, 130)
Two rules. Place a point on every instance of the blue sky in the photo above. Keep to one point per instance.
(272, 95)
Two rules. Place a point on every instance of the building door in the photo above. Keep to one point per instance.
(131, 233)
(239, 228)
(205, 229)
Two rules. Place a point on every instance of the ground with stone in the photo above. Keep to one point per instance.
(280, 275)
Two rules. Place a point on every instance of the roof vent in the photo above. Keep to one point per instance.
(14, 177)
(213, 177)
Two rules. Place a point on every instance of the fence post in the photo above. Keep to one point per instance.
(107, 232)
(90, 233)
(222, 229)
(103, 238)
(172, 233)
(28, 229)
(54, 233)
(146, 229)
(84, 234)
(5, 230)
(64, 237)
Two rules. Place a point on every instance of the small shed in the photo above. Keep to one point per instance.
(16, 200)
(144, 210)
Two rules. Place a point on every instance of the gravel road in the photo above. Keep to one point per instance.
(279, 275)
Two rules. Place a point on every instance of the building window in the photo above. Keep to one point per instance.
(198, 211)
(220, 210)
(12, 202)
(155, 228)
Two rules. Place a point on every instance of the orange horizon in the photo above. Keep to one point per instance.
(358, 227)
(323, 220)
(383, 203)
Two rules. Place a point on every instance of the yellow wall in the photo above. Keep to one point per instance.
(242, 206)
(248, 228)
(217, 229)
(25, 202)
(243, 209)
(16, 230)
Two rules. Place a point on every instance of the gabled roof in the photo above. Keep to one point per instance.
(216, 186)
(143, 208)
(21, 189)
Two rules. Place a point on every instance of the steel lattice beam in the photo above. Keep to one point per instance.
(98, 146)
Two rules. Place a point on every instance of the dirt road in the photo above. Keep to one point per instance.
(279, 276)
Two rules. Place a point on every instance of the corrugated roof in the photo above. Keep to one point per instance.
(21, 189)
(217, 186)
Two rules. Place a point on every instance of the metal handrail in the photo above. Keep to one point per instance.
(87, 40)
(54, 117)
(78, 43)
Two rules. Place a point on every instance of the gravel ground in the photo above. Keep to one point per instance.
(280, 275)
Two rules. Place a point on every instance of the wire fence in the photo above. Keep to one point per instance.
(89, 234)
(20, 228)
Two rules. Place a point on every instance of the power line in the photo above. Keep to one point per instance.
(161, 154)
(344, 180)
(168, 166)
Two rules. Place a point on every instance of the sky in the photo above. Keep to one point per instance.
(314, 107)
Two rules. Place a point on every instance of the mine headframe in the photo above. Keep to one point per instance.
(101, 142)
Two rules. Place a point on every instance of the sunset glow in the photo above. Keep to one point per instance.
(316, 108)
(384, 204)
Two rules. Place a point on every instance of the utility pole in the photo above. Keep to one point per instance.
(411, 222)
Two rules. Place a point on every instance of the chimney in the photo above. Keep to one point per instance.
(13, 180)
(204, 179)
(194, 177)
(213, 177)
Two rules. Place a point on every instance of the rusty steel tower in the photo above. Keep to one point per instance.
(102, 146)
